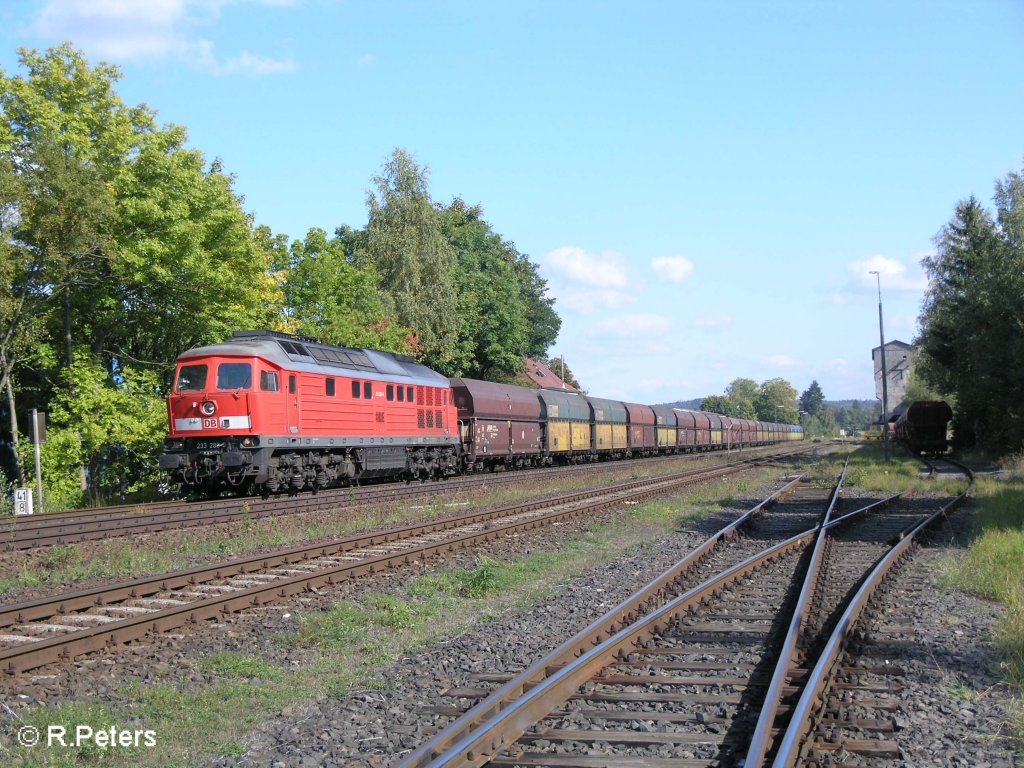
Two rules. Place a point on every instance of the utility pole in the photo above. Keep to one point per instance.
(885, 375)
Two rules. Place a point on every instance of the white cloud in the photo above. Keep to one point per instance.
(585, 282)
(838, 299)
(779, 361)
(839, 364)
(674, 269)
(721, 321)
(634, 326)
(137, 29)
(893, 274)
(607, 269)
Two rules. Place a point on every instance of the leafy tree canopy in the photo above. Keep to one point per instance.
(813, 399)
(972, 321)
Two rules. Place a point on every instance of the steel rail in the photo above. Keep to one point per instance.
(35, 652)
(788, 656)
(815, 687)
(517, 716)
(606, 626)
(501, 718)
(72, 526)
(28, 611)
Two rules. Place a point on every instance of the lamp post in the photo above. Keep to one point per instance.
(885, 376)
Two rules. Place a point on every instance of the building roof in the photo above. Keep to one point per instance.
(893, 343)
(543, 376)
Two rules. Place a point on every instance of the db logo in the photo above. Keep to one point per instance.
(210, 424)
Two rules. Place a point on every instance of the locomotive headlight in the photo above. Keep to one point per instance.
(250, 442)
(208, 407)
(174, 445)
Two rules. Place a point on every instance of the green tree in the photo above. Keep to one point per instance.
(721, 404)
(561, 369)
(495, 318)
(813, 399)
(337, 302)
(543, 323)
(107, 427)
(972, 322)
(129, 246)
(405, 243)
(918, 389)
(776, 401)
(742, 392)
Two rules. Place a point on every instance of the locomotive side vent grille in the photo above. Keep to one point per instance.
(420, 418)
(430, 419)
(437, 420)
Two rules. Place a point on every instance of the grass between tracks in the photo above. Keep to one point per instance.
(993, 567)
(211, 708)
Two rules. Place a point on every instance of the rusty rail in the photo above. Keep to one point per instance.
(462, 730)
(817, 683)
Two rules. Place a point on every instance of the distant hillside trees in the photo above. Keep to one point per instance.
(972, 322)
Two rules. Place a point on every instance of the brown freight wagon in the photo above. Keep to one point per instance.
(642, 437)
(499, 424)
(686, 425)
(702, 425)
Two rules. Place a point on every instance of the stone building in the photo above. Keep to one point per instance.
(899, 362)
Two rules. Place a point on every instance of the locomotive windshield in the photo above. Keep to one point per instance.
(234, 376)
(191, 378)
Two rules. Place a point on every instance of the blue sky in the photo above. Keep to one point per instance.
(705, 185)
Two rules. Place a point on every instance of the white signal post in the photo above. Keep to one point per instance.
(38, 438)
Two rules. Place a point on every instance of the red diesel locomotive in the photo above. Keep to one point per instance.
(267, 412)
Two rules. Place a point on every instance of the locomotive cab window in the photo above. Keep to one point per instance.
(367, 390)
(401, 394)
(191, 378)
(330, 387)
(355, 389)
(291, 385)
(409, 394)
(391, 391)
(268, 381)
(234, 376)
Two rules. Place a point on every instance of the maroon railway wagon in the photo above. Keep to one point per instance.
(500, 425)
(643, 440)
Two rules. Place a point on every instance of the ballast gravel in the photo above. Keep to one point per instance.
(952, 709)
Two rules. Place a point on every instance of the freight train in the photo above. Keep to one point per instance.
(922, 427)
(268, 412)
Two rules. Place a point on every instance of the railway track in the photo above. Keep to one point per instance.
(72, 526)
(64, 626)
(729, 658)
